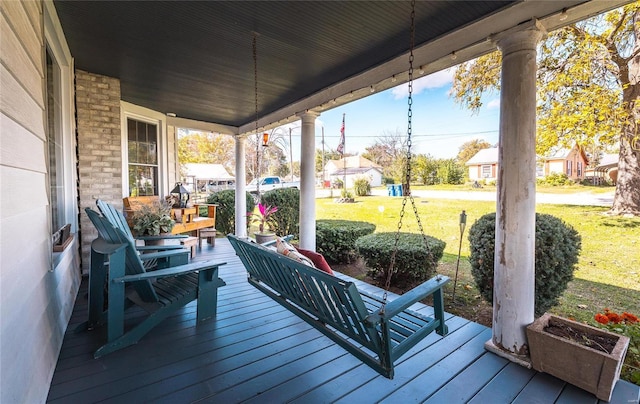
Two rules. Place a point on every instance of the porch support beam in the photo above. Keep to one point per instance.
(514, 270)
(307, 180)
(241, 174)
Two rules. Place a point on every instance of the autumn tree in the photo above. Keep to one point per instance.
(588, 89)
(210, 148)
(470, 149)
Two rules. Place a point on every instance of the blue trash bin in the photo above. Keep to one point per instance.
(391, 190)
(398, 191)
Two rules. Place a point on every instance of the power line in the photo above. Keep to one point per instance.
(459, 134)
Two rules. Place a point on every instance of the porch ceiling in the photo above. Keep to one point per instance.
(194, 58)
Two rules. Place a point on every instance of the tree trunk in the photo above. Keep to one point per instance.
(627, 196)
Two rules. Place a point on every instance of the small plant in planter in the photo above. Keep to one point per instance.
(153, 219)
(264, 220)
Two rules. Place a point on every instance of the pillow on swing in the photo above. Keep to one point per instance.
(290, 251)
(318, 260)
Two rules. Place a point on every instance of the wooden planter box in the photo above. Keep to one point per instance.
(592, 370)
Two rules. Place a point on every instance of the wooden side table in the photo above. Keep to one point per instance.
(191, 243)
(209, 234)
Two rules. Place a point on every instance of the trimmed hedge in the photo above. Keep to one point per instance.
(286, 220)
(414, 261)
(226, 210)
(557, 249)
(336, 239)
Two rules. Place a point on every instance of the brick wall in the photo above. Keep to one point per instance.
(99, 149)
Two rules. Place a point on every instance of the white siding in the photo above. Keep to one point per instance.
(37, 292)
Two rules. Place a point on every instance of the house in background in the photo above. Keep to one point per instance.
(207, 178)
(484, 165)
(606, 171)
(353, 168)
(572, 162)
(350, 175)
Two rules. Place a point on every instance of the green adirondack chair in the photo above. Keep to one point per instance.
(352, 318)
(160, 292)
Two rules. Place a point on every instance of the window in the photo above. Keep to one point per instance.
(486, 171)
(142, 147)
(54, 144)
(579, 168)
(569, 167)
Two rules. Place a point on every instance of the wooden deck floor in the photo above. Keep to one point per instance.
(256, 351)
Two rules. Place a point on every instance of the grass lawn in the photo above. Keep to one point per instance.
(608, 273)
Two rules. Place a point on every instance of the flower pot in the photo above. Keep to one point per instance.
(587, 368)
(264, 237)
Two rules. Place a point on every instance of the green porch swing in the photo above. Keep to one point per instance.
(376, 331)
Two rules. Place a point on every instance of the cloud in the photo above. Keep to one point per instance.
(493, 104)
(434, 80)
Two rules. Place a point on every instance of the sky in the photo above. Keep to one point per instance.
(439, 125)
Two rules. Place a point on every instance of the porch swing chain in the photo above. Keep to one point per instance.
(255, 83)
(407, 181)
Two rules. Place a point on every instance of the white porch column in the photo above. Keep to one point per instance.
(514, 273)
(307, 181)
(241, 175)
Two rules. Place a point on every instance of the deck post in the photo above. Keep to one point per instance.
(307, 181)
(241, 175)
(514, 271)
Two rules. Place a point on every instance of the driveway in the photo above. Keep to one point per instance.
(580, 198)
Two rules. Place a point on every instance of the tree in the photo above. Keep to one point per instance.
(425, 169)
(329, 155)
(210, 148)
(588, 89)
(470, 149)
(450, 172)
(389, 152)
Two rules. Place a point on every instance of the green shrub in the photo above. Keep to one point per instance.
(555, 179)
(387, 180)
(226, 210)
(336, 239)
(414, 262)
(556, 255)
(362, 187)
(286, 220)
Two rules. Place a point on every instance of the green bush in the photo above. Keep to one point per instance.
(362, 187)
(555, 179)
(286, 220)
(226, 210)
(414, 262)
(387, 180)
(336, 239)
(556, 255)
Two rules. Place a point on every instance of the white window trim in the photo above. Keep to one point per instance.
(128, 110)
(59, 51)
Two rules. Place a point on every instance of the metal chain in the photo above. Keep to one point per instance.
(255, 82)
(387, 285)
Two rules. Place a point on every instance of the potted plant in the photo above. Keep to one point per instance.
(153, 219)
(264, 220)
(585, 356)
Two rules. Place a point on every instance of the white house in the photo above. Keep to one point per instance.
(207, 177)
(350, 175)
(355, 167)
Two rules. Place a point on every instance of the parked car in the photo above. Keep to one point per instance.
(269, 183)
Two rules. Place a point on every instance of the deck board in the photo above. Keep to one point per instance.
(257, 351)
